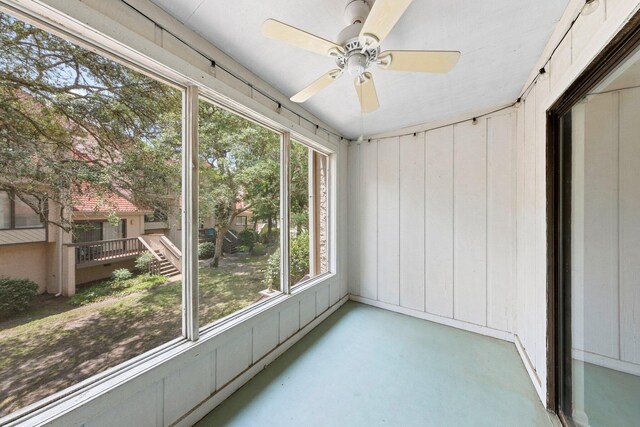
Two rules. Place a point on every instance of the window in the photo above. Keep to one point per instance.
(15, 213)
(308, 213)
(5, 210)
(121, 289)
(51, 92)
(239, 171)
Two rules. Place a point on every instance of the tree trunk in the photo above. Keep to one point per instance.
(222, 231)
(268, 239)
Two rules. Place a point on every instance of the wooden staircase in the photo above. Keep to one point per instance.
(166, 268)
(231, 243)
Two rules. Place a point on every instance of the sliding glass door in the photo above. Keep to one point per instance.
(599, 310)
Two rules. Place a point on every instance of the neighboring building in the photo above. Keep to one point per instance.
(58, 260)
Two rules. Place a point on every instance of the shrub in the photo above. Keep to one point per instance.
(248, 238)
(143, 262)
(206, 250)
(266, 237)
(121, 274)
(259, 249)
(272, 274)
(299, 267)
(15, 295)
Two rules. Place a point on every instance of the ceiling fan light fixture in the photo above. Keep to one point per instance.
(356, 64)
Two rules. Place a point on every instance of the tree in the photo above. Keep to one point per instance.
(239, 169)
(74, 122)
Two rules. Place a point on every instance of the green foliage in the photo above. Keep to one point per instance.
(121, 274)
(72, 120)
(299, 257)
(206, 250)
(15, 295)
(267, 238)
(143, 262)
(113, 288)
(248, 238)
(299, 266)
(259, 249)
(272, 272)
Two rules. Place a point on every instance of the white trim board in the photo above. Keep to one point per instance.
(217, 398)
(459, 324)
(606, 362)
(531, 370)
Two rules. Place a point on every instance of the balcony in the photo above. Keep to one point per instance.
(101, 252)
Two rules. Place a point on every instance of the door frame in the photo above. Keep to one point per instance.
(558, 175)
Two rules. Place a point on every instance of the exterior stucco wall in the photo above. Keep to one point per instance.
(25, 261)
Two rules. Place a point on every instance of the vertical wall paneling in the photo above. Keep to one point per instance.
(629, 226)
(542, 93)
(412, 221)
(601, 226)
(500, 221)
(388, 221)
(353, 206)
(519, 317)
(577, 226)
(367, 250)
(232, 358)
(527, 334)
(289, 321)
(439, 221)
(470, 222)
(192, 379)
(266, 336)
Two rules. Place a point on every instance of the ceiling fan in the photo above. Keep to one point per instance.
(358, 47)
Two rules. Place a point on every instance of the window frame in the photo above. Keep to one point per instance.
(12, 214)
(60, 25)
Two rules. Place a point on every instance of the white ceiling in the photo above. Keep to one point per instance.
(500, 41)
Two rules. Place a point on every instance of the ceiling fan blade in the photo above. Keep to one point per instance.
(366, 90)
(317, 86)
(426, 61)
(383, 16)
(297, 37)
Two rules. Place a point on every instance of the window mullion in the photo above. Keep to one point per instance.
(284, 213)
(190, 323)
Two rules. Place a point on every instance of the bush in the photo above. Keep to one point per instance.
(121, 274)
(143, 262)
(206, 250)
(259, 249)
(272, 274)
(248, 238)
(299, 261)
(15, 295)
(266, 237)
(299, 257)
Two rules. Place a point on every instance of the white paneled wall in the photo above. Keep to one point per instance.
(436, 223)
(439, 222)
(606, 230)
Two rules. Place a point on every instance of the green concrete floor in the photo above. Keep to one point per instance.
(365, 366)
(612, 398)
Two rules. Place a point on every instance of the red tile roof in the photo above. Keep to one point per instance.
(104, 203)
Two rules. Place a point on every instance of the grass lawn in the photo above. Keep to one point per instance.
(58, 344)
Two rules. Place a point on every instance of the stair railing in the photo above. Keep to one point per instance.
(154, 267)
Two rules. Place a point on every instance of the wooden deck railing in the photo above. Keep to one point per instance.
(107, 250)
